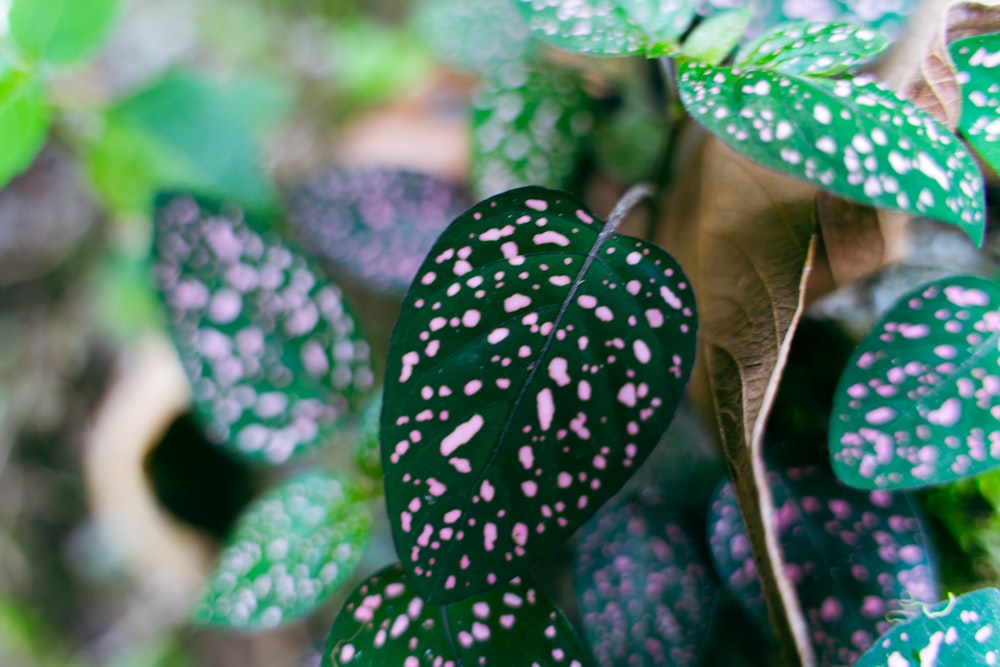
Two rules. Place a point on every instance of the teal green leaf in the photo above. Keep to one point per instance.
(61, 31)
(386, 622)
(514, 403)
(851, 137)
(24, 122)
(291, 549)
(976, 59)
(959, 631)
(179, 133)
(367, 454)
(529, 124)
(273, 354)
(715, 38)
(663, 21)
(592, 27)
(816, 49)
(919, 401)
(475, 35)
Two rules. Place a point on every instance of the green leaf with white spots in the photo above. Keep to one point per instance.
(851, 137)
(386, 622)
(528, 128)
(919, 402)
(663, 21)
(976, 60)
(959, 631)
(367, 454)
(476, 35)
(273, 354)
(815, 49)
(291, 549)
(592, 27)
(515, 401)
(715, 38)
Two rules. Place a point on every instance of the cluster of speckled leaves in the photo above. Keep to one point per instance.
(919, 402)
(646, 590)
(515, 404)
(976, 60)
(272, 352)
(960, 631)
(374, 225)
(851, 136)
(385, 622)
(291, 549)
(853, 556)
(529, 123)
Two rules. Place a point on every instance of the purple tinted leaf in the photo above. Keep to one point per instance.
(514, 405)
(853, 557)
(272, 352)
(375, 225)
(647, 591)
(385, 623)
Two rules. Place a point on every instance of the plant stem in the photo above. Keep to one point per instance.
(633, 196)
(675, 117)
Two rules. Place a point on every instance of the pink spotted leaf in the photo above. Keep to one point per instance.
(537, 360)
(919, 401)
(374, 225)
(975, 59)
(853, 556)
(272, 351)
(850, 136)
(386, 622)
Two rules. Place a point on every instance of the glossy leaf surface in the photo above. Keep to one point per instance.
(272, 351)
(385, 622)
(976, 59)
(375, 225)
(528, 128)
(593, 27)
(61, 31)
(919, 401)
(816, 49)
(514, 403)
(851, 137)
(24, 122)
(713, 39)
(647, 592)
(291, 549)
(962, 631)
(852, 556)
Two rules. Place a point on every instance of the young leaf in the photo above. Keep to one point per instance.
(514, 403)
(291, 549)
(647, 592)
(851, 137)
(714, 38)
(61, 32)
(272, 351)
(385, 622)
(477, 35)
(24, 122)
(959, 631)
(375, 225)
(528, 126)
(593, 27)
(663, 21)
(853, 557)
(919, 401)
(976, 58)
(816, 49)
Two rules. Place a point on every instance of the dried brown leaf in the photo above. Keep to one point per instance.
(852, 238)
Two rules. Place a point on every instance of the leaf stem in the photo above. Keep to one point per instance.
(633, 196)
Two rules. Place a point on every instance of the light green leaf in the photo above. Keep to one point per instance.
(714, 38)
(291, 549)
(851, 137)
(593, 27)
(817, 49)
(663, 21)
(61, 31)
(976, 61)
(919, 402)
(24, 122)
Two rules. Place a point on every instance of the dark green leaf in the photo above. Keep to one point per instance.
(853, 557)
(528, 126)
(61, 31)
(272, 351)
(24, 122)
(375, 225)
(976, 59)
(959, 632)
(715, 38)
(593, 27)
(385, 622)
(816, 49)
(514, 403)
(919, 402)
(851, 137)
(477, 35)
(291, 549)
